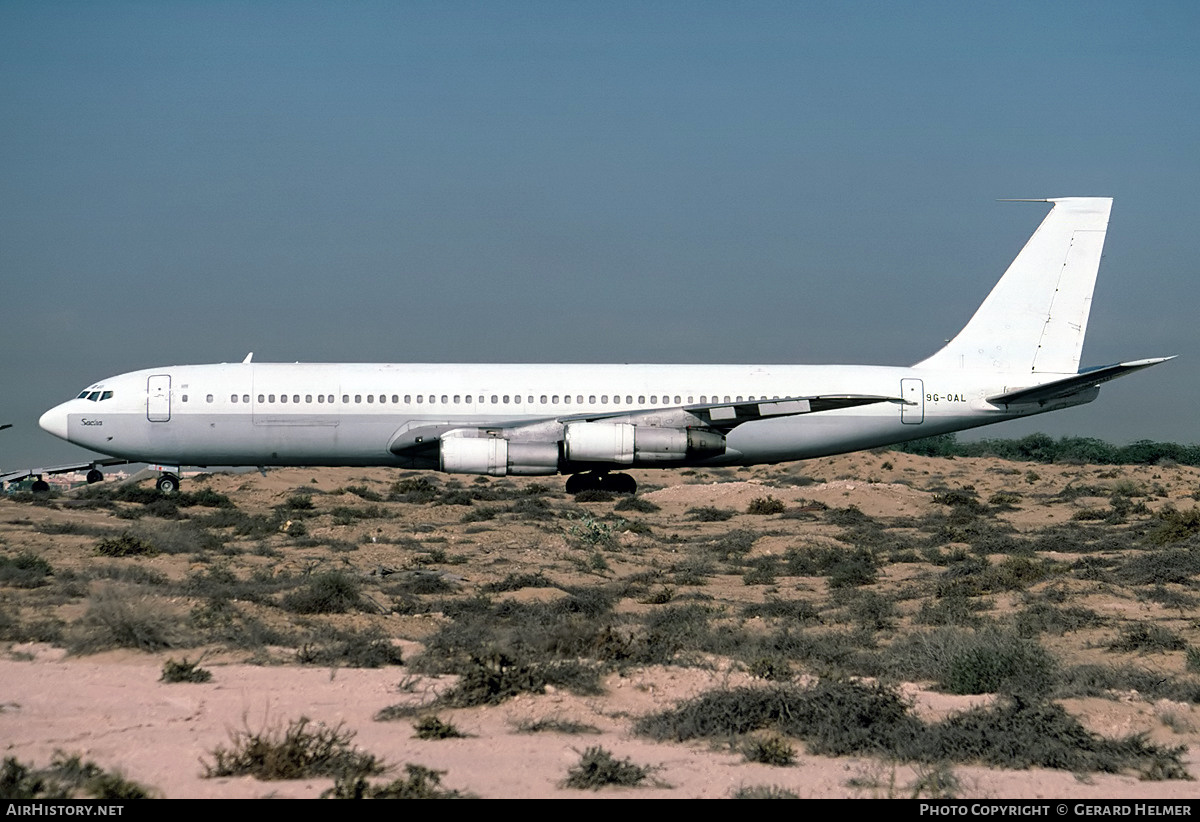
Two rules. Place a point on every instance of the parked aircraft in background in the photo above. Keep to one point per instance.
(1018, 356)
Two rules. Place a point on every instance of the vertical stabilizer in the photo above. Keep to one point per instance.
(1036, 316)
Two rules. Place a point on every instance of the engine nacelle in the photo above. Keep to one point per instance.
(496, 457)
(628, 444)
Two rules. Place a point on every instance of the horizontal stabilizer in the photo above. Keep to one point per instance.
(1074, 384)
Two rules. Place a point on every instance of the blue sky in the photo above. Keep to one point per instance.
(651, 182)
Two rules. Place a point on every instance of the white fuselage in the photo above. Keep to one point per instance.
(351, 414)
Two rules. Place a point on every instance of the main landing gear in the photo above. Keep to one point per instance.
(167, 484)
(601, 481)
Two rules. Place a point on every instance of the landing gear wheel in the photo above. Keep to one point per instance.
(621, 484)
(39, 487)
(593, 481)
(167, 484)
(94, 476)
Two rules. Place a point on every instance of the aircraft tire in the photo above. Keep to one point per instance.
(94, 476)
(167, 484)
(39, 487)
(620, 484)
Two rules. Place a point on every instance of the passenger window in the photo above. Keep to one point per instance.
(592, 399)
(555, 399)
(432, 399)
(233, 398)
(358, 398)
(495, 399)
(283, 397)
(408, 399)
(185, 397)
(395, 398)
(346, 399)
(371, 398)
(457, 399)
(320, 398)
(308, 397)
(726, 398)
(739, 399)
(420, 398)
(690, 400)
(543, 399)
(444, 399)
(653, 399)
(208, 398)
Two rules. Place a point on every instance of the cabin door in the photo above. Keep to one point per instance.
(913, 410)
(158, 398)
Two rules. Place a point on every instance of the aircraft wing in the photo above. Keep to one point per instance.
(1067, 386)
(725, 416)
(15, 476)
(423, 435)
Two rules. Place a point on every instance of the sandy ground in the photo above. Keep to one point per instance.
(112, 708)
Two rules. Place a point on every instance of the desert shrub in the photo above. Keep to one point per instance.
(765, 506)
(998, 663)
(555, 725)
(420, 783)
(1044, 618)
(799, 610)
(299, 751)
(24, 571)
(125, 545)
(177, 537)
(763, 792)
(333, 592)
(834, 717)
(708, 513)
(1147, 637)
(975, 662)
(1179, 564)
(67, 777)
(769, 749)
(639, 504)
(184, 671)
(368, 648)
(431, 727)
(598, 768)
(844, 568)
(413, 490)
(1043, 735)
(117, 619)
(762, 571)
(1175, 525)
(515, 582)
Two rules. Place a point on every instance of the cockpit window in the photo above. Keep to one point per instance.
(107, 395)
(93, 396)
(82, 395)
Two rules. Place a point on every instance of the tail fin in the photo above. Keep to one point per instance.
(1036, 316)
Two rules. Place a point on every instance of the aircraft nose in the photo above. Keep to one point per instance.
(54, 421)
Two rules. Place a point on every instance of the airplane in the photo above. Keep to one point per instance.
(1018, 356)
